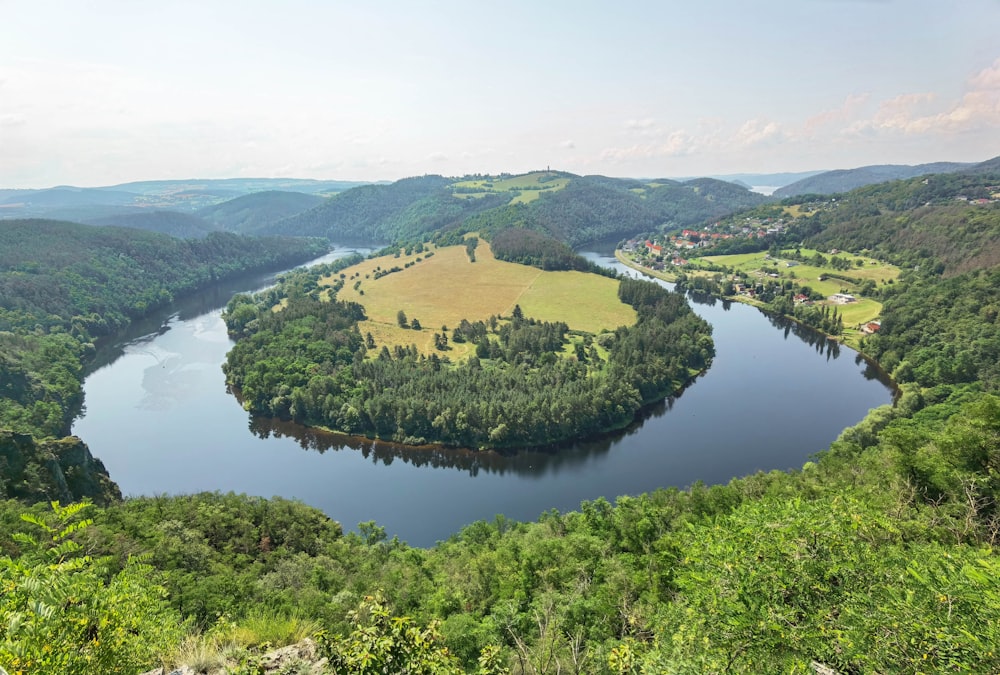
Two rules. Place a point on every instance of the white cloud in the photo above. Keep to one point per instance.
(644, 128)
(915, 113)
(987, 79)
(12, 120)
(844, 113)
(755, 132)
(676, 144)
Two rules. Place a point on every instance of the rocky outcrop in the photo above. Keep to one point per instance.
(300, 659)
(60, 470)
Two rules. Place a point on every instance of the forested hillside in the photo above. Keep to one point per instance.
(948, 220)
(572, 209)
(55, 272)
(253, 212)
(845, 180)
(366, 213)
(876, 557)
(173, 223)
(62, 286)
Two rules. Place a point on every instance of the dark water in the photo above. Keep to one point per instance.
(159, 416)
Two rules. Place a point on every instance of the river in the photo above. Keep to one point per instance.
(160, 418)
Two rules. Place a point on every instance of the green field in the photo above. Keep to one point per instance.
(523, 189)
(446, 288)
(758, 265)
(807, 274)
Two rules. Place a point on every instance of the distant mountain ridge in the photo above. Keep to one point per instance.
(255, 211)
(174, 223)
(845, 180)
(573, 209)
(187, 196)
(779, 179)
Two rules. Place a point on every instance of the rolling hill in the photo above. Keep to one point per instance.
(182, 225)
(844, 180)
(257, 210)
(574, 209)
(187, 196)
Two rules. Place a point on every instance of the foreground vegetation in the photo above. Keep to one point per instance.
(878, 556)
(875, 558)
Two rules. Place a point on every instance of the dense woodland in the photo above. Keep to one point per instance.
(588, 208)
(845, 180)
(65, 285)
(528, 247)
(309, 363)
(878, 556)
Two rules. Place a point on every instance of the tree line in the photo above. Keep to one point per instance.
(309, 363)
(64, 285)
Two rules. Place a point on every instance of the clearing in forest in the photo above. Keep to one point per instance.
(524, 188)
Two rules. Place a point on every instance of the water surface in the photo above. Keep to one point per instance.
(161, 419)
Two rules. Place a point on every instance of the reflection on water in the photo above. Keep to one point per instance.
(522, 462)
(190, 307)
(161, 418)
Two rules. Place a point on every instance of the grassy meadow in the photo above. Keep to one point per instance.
(445, 288)
(755, 265)
(523, 189)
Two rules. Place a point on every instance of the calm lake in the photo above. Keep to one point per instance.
(159, 416)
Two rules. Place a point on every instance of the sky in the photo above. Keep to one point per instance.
(100, 92)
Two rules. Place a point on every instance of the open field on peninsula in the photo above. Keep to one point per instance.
(446, 287)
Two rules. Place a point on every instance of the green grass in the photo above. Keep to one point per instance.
(758, 265)
(523, 189)
(227, 644)
(446, 288)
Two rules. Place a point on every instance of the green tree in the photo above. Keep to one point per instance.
(60, 614)
(381, 643)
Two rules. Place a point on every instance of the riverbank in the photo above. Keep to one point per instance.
(850, 337)
(166, 388)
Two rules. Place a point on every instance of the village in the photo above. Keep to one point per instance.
(801, 283)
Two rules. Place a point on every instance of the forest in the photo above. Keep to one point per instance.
(877, 556)
(309, 363)
(62, 287)
(586, 209)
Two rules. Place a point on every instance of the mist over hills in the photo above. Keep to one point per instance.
(257, 210)
(187, 196)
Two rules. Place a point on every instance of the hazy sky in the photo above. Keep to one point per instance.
(101, 92)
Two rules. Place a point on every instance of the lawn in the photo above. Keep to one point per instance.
(445, 288)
